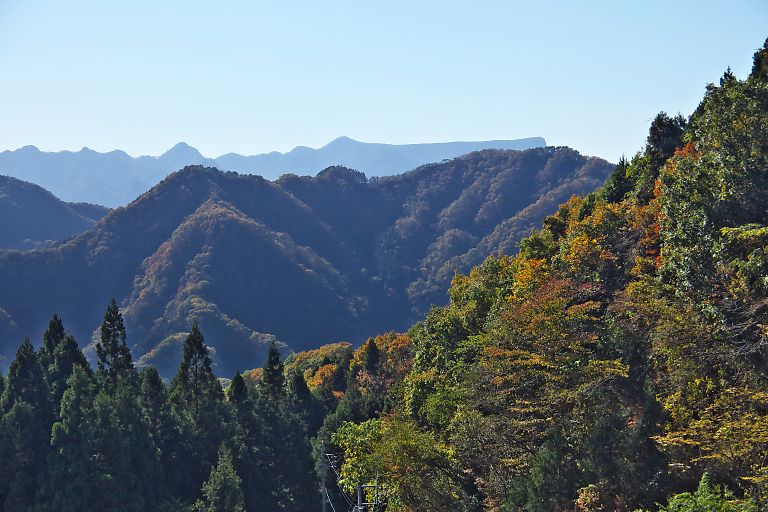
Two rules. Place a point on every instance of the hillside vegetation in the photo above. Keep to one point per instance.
(619, 358)
(303, 261)
(32, 217)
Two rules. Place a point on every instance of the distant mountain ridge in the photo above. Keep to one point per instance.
(32, 217)
(306, 260)
(116, 178)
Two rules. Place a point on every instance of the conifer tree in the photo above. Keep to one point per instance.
(58, 354)
(273, 377)
(112, 350)
(126, 461)
(162, 428)
(372, 356)
(70, 484)
(25, 381)
(237, 392)
(25, 428)
(618, 183)
(51, 338)
(760, 63)
(223, 491)
(305, 403)
(198, 407)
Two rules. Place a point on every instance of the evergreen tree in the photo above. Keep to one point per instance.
(305, 403)
(618, 183)
(126, 460)
(198, 407)
(58, 355)
(162, 428)
(372, 356)
(70, 485)
(273, 377)
(223, 491)
(25, 429)
(760, 63)
(113, 353)
(25, 381)
(237, 392)
(51, 338)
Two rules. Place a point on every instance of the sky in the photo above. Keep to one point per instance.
(258, 76)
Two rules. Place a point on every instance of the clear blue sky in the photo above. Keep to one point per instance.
(257, 76)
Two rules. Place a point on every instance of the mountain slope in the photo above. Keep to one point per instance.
(33, 217)
(308, 260)
(619, 359)
(115, 178)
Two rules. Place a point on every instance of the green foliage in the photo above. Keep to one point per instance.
(199, 411)
(416, 472)
(708, 498)
(760, 64)
(115, 360)
(618, 184)
(222, 490)
(273, 377)
(25, 426)
(58, 356)
(71, 468)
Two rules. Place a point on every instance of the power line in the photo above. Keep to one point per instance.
(360, 505)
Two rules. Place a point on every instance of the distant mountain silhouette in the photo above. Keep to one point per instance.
(115, 178)
(306, 260)
(31, 217)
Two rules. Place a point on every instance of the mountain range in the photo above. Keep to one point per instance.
(304, 260)
(115, 178)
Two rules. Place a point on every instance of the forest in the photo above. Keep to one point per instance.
(617, 362)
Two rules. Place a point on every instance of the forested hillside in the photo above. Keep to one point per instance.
(302, 260)
(32, 217)
(618, 359)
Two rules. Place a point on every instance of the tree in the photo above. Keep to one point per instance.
(25, 428)
(51, 338)
(70, 478)
(25, 381)
(198, 408)
(708, 498)
(222, 491)
(372, 355)
(664, 136)
(114, 356)
(618, 183)
(162, 428)
(58, 355)
(273, 378)
(760, 63)
(237, 392)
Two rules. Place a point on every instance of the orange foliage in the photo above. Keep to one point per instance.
(323, 376)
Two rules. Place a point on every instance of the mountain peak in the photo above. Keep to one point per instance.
(341, 141)
(182, 149)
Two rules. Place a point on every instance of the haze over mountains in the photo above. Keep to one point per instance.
(308, 260)
(116, 178)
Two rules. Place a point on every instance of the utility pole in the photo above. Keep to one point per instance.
(359, 499)
(323, 505)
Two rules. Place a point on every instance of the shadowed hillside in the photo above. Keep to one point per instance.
(32, 217)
